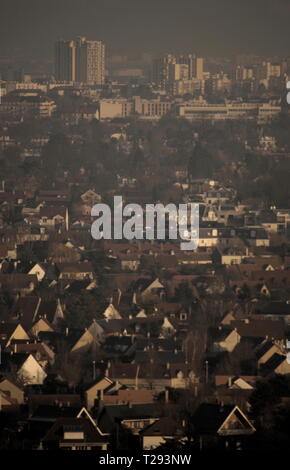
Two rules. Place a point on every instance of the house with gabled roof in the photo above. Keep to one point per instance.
(244, 382)
(91, 337)
(41, 325)
(129, 416)
(24, 366)
(277, 364)
(75, 434)
(152, 289)
(168, 327)
(224, 426)
(225, 339)
(91, 197)
(75, 271)
(94, 392)
(43, 271)
(11, 390)
(227, 319)
(31, 372)
(41, 351)
(161, 431)
(266, 350)
(111, 313)
(10, 332)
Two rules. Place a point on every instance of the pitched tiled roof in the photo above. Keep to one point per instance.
(260, 328)
(25, 309)
(90, 432)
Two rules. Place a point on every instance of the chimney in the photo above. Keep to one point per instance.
(108, 369)
(166, 396)
(129, 404)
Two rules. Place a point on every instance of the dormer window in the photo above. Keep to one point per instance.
(73, 433)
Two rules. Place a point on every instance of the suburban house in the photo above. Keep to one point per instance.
(75, 271)
(10, 332)
(54, 217)
(91, 337)
(277, 363)
(131, 416)
(11, 391)
(224, 426)
(90, 197)
(225, 339)
(24, 366)
(161, 431)
(96, 390)
(75, 434)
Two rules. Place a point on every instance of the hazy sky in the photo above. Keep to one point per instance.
(209, 27)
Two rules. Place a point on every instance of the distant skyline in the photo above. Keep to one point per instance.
(210, 27)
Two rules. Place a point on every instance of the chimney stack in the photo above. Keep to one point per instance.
(166, 396)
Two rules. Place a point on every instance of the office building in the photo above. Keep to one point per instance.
(80, 61)
(65, 61)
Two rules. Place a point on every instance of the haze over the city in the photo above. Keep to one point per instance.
(209, 27)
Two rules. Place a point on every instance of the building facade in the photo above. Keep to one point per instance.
(80, 61)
